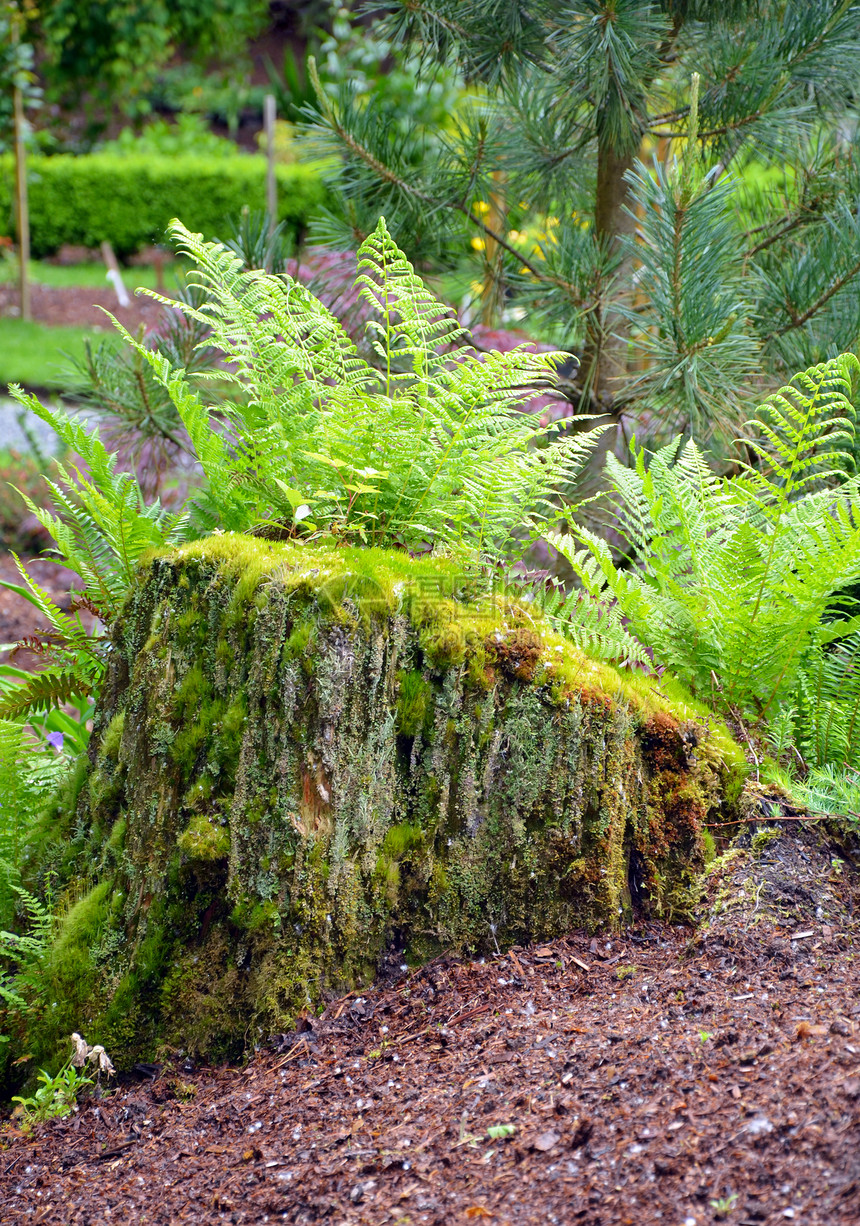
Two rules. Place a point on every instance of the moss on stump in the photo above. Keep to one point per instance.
(305, 756)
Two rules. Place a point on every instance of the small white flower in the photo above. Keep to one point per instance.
(99, 1054)
(82, 1050)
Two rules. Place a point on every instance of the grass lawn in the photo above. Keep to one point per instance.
(88, 275)
(37, 355)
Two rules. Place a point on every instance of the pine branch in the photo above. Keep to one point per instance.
(797, 321)
(388, 175)
(786, 229)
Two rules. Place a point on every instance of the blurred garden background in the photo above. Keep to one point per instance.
(523, 157)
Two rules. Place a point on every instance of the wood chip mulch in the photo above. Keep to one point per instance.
(79, 305)
(659, 1077)
(18, 618)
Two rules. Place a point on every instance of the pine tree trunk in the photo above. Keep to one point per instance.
(604, 361)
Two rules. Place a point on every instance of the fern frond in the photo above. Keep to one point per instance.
(802, 433)
(828, 705)
(101, 521)
(732, 578)
(23, 952)
(591, 616)
(47, 689)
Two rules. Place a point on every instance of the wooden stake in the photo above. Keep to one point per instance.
(271, 181)
(22, 212)
(114, 275)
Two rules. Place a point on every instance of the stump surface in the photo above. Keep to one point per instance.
(308, 759)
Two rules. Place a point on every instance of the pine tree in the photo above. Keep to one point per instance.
(698, 164)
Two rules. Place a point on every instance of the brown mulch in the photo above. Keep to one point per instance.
(79, 305)
(659, 1077)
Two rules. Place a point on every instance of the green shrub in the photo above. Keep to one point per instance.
(130, 199)
(189, 136)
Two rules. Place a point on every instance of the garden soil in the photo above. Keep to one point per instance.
(669, 1075)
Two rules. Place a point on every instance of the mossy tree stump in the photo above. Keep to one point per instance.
(305, 756)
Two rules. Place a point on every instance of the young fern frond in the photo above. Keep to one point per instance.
(413, 329)
(803, 432)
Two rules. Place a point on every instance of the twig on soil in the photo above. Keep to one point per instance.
(117, 1150)
(464, 1017)
(293, 1052)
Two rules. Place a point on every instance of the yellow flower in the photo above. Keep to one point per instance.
(552, 221)
(481, 207)
(476, 287)
(514, 236)
(478, 244)
(524, 204)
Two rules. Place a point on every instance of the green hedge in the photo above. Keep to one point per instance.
(129, 200)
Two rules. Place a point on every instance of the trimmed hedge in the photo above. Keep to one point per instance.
(129, 199)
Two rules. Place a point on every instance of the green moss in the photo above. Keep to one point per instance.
(444, 644)
(299, 640)
(111, 739)
(262, 916)
(402, 839)
(116, 838)
(709, 845)
(80, 927)
(762, 839)
(204, 839)
(72, 974)
(191, 693)
(414, 699)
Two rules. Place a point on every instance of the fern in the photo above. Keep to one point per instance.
(427, 447)
(29, 774)
(588, 616)
(102, 525)
(732, 577)
(827, 702)
(22, 981)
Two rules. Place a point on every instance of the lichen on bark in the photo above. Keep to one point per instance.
(305, 755)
